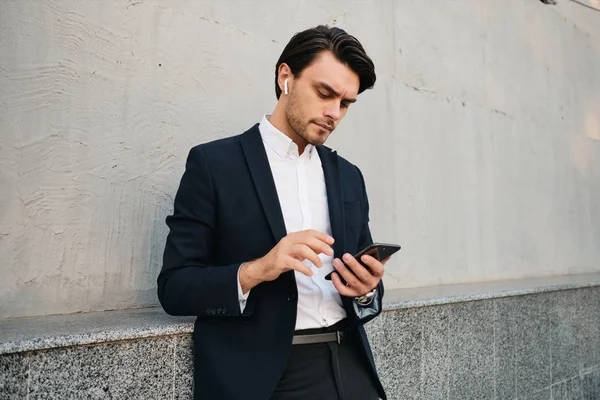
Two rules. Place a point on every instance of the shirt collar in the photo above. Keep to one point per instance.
(279, 142)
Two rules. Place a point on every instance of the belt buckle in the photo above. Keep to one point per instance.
(338, 336)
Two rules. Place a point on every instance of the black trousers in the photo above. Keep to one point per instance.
(325, 371)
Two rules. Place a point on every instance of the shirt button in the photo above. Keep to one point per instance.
(291, 297)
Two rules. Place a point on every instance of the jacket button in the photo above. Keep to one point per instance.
(292, 297)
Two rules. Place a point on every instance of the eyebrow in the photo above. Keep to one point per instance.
(329, 88)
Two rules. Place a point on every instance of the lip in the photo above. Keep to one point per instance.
(327, 128)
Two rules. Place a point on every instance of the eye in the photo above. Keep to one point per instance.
(345, 105)
(323, 95)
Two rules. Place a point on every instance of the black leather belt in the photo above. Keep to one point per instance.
(337, 336)
(339, 332)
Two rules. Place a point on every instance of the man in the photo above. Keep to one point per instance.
(259, 220)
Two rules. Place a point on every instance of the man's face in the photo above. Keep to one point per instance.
(320, 98)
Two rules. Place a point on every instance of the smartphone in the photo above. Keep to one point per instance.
(379, 251)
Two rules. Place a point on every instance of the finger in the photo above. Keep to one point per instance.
(318, 246)
(341, 288)
(322, 236)
(361, 272)
(374, 265)
(299, 266)
(303, 252)
(348, 276)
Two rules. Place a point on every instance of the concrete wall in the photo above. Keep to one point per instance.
(480, 143)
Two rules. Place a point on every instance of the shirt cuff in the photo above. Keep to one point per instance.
(241, 296)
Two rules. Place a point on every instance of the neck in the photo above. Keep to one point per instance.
(279, 121)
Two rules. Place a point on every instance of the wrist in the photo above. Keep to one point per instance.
(367, 298)
(249, 276)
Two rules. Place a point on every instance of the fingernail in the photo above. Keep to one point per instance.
(330, 239)
(347, 257)
(337, 262)
(329, 251)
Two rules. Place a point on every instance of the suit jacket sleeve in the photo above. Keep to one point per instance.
(189, 284)
(364, 314)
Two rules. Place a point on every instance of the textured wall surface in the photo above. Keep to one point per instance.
(534, 347)
(480, 143)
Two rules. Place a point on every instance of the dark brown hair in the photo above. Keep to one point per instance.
(304, 47)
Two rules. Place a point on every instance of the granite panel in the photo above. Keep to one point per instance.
(571, 389)
(471, 349)
(396, 340)
(504, 349)
(590, 329)
(184, 368)
(591, 385)
(123, 370)
(545, 394)
(14, 373)
(435, 357)
(565, 334)
(530, 326)
(38, 333)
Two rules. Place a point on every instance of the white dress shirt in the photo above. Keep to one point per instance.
(300, 185)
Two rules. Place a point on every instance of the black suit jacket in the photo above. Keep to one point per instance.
(227, 212)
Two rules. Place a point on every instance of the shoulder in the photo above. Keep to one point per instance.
(221, 149)
(216, 147)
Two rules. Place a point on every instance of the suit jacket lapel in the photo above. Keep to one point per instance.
(329, 161)
(260, 170)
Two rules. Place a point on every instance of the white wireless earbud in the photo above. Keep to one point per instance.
(285, 88)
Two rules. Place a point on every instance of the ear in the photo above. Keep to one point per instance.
(284, 72)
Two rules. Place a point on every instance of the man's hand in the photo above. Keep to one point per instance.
(360, 282)
(287, 255)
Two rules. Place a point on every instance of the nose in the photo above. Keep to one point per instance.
(333, 111)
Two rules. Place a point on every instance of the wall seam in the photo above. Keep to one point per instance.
(174, 365)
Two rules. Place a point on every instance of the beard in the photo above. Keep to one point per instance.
(303, 126)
